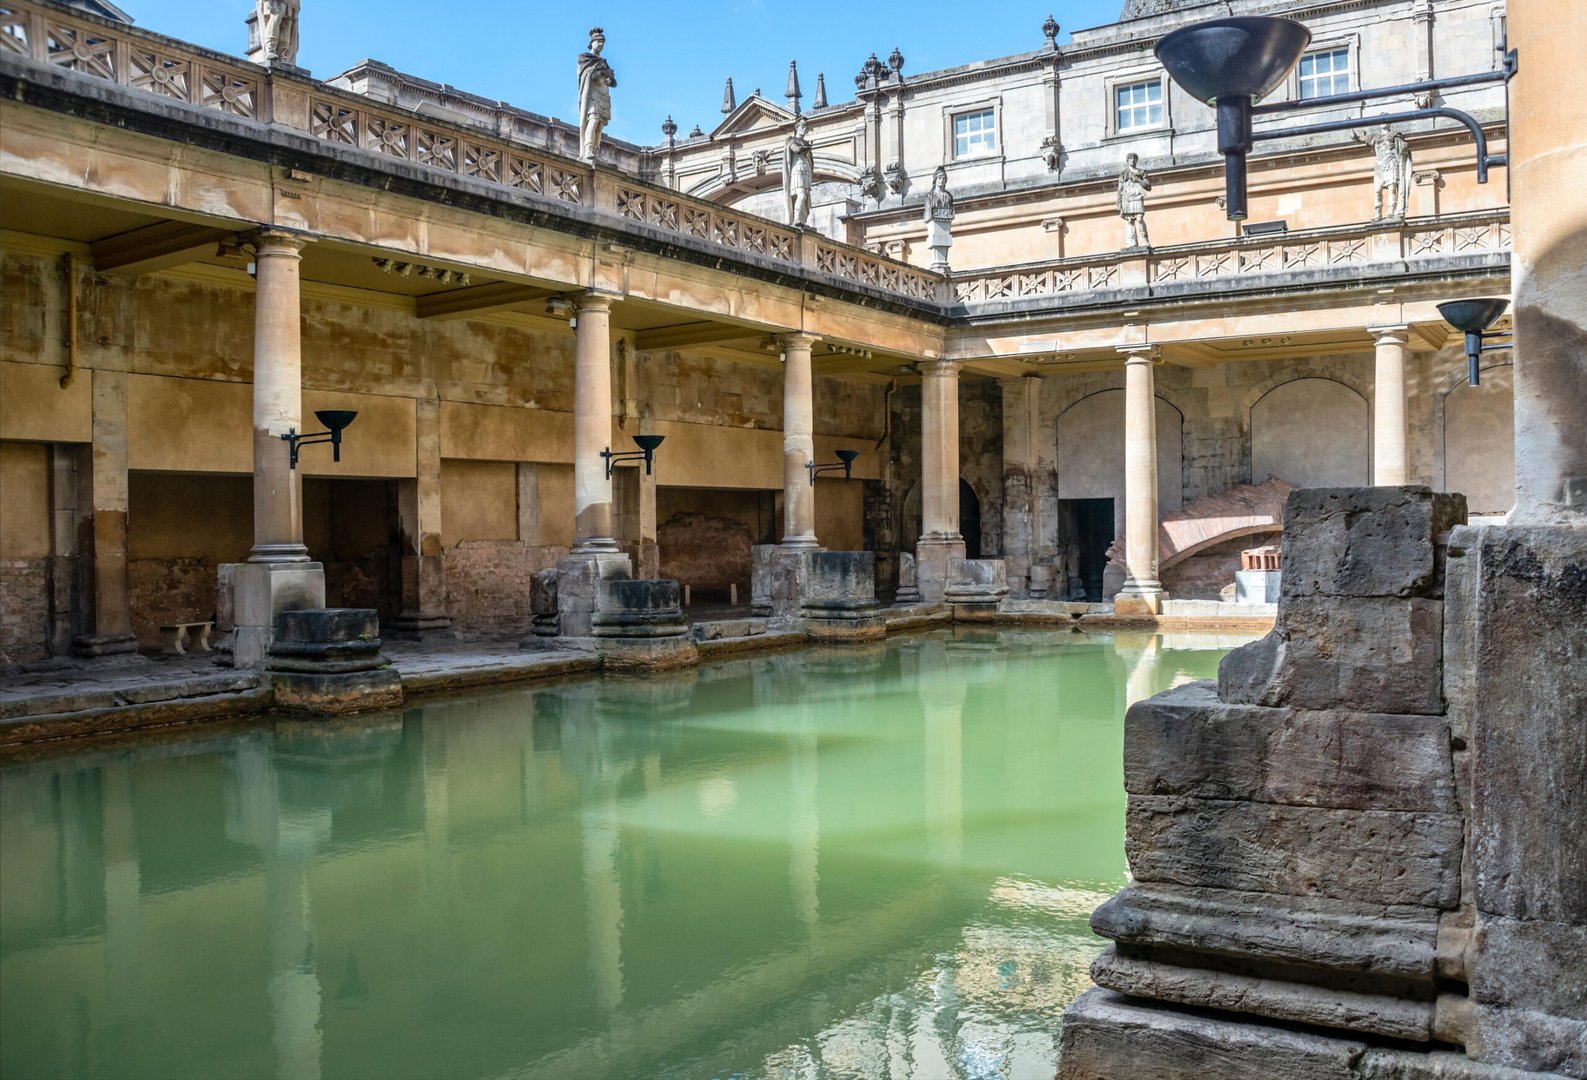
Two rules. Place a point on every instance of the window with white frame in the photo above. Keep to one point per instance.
(1324, 73)
(1137, 105)
(974, 134)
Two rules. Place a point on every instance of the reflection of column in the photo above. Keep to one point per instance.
(123, 885)
(939, 476)
(294, 977)
(277, 397)
(1142, 592)
(603, 901)
(804, 825)
(798, 442)
(1388, 407)
(942, 695)
(592, 425)
(1143, 674)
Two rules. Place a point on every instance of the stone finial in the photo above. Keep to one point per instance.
(1049, 30)
(729, 101)
(896, 61)
(792, 92)
(821, 91)
(669, 129)
(696, 133)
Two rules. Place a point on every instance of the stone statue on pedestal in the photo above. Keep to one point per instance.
(278, 30)
(798, 174)
(1134, 183)
(595, 100)
(938, 214)
(1391, 172)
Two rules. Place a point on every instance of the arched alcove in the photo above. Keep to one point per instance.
(1312, 433)
(1091, 453)
(1479, 441)
(970, 519)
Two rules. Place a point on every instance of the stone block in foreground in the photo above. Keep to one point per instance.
(839, 601)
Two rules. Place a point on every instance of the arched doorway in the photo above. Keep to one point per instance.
(969, 519)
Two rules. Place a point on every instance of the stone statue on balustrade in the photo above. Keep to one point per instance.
(595, 100)
(278, 30)
(1134, 183)
(799, 167)
(938, 215)
(1391, 172)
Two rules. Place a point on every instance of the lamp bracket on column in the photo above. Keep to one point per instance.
(335, 420)
(647, 449)
(1233, 63)
(845, 462)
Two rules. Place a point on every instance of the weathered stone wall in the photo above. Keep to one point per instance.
(487, 585)
(24, 610)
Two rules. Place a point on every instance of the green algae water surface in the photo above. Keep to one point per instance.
(869, 862)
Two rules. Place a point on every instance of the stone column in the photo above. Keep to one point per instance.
(106, 622)
(278, 575)
(592, 426)
(940, 541)
(419, 522)
(1388, 407)
(595, 557)
(1021, 401)
(798, 442)
(1142, 593)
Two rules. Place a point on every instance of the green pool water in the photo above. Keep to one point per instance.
(861, 862)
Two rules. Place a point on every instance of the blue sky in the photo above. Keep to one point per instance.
(669, 58)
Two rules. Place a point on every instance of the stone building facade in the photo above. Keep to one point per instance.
(442, 248)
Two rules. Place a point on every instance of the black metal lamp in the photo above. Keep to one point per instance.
(335, 420)
(647, 449)
(1234, 63)
(845, 462)
(1472, 317)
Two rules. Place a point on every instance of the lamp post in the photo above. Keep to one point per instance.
(647, 449)
(335, 421)
(845, 462)
(1472, 317)
(1231, 64)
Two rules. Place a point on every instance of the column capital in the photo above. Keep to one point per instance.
(593, 300)
(937, 368)
(1140, 353)
(1399, 332)
(274, 240)
(795, 339)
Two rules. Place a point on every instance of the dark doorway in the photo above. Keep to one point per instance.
(969, 520)
(1093, 533)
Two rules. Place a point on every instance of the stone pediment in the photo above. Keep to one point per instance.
(755, 114)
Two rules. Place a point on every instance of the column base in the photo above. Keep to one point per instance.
(932, 556)
(413, 626)
(579, 579)
(95, 646)
(603, 545)
(1139, 605)
(261, 591)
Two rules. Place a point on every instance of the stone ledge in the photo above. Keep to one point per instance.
(1107, 1036)
(118, 718)
(1186, 742)
(1397, 941)
(1375, 856)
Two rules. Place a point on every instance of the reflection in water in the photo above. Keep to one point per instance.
(868, 862)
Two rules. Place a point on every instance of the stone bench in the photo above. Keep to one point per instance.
(730, 586)
(175, 636)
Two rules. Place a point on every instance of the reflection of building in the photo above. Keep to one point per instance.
(423, 251)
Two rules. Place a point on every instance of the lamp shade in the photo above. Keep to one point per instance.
(1245, 56)
(335, 419)
(648, 443)
(1473, 315)
(848, 456)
